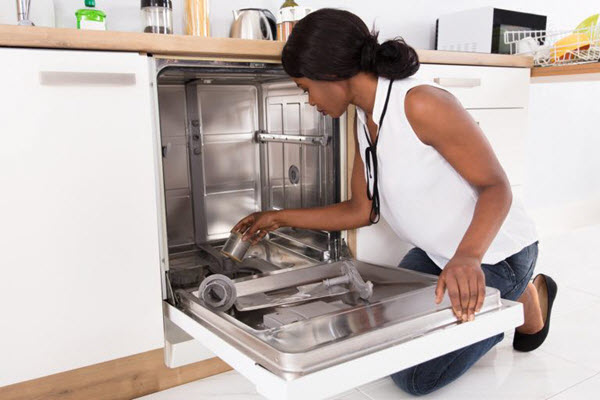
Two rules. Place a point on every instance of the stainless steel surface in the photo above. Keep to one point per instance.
(297, 174)
(301, 312)
(23, 9)
(224, 157)
(295, 285)
(264, 137)
(299, 295)
(401, 308)
(253, 23)
(236, 248)
(285, 287)
(178, 196)
(351, 277)
(285, 278)
(180, 222)
(212, 159)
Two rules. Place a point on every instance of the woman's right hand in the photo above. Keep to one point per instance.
(256, 225)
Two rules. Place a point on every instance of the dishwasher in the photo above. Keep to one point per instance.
(298, 316)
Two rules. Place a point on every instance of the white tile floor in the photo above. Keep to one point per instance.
(566, 367)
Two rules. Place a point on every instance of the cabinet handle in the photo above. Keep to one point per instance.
(64, 78)
(458, 82)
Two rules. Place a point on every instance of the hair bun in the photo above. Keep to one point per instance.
(396, 59)
(368, 57)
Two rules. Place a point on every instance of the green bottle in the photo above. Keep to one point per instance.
(289, 3)
(90, 17)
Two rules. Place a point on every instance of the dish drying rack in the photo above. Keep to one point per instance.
(541, 45)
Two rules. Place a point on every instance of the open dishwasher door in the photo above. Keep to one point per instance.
(344, 344)
(238, 138)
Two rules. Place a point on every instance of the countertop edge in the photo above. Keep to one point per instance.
(191, 46)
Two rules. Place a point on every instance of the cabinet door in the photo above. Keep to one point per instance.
(481, 87)
(80, 272)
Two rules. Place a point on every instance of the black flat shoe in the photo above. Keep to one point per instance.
(547, 289)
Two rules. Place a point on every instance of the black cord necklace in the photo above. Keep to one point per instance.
(371, 161)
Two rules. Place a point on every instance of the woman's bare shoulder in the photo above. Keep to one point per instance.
(427, 107)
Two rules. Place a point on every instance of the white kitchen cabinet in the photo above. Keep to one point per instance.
(480, 86)
(80, 240)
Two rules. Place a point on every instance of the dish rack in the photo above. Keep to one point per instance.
(551, 48)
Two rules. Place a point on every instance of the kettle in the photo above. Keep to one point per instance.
(253, 23)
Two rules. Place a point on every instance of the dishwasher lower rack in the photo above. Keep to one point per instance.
(401, 308)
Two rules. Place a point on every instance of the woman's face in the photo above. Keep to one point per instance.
(330, 98)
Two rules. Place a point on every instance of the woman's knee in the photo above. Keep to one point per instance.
(410, 381)
(434, 374)
(418, 260)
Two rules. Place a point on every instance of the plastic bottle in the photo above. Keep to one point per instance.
(90, 17)
(289, 3)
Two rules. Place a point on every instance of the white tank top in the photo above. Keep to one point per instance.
(422, 197)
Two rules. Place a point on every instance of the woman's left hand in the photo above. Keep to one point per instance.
(465, 281)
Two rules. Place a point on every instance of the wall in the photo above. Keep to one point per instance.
(563, 179)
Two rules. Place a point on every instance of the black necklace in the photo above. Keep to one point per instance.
(371, 161)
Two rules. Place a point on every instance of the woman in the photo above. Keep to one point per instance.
(429, 172)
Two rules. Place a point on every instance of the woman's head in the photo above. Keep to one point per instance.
(329, 47)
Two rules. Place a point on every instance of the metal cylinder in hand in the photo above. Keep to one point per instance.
(236, 248)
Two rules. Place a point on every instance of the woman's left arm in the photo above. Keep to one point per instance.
(439, 120)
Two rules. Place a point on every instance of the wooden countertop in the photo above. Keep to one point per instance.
(198, 47)
(566, 73)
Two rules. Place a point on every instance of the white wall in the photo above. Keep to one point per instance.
(413, 20)
(563, 168)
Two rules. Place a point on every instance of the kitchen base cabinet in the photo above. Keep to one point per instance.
(80, 240)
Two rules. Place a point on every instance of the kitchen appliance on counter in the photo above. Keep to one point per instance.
(253, 23)
(157, 16)
(482, 30)
(287, 18)
(298, 312)
(23, 7)
(24, 12)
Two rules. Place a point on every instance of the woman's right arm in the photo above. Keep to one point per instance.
(349, 214)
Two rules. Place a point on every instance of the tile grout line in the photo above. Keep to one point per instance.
(366, 395)
(595, 295)
(572, 386)
(577, 363)
(369, 396)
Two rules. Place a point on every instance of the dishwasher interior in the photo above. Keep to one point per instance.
(238, 138)
(234, 141)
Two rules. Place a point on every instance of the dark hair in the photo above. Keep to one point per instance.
(332, 45)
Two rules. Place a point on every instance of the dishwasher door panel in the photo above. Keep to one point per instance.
(350, 374)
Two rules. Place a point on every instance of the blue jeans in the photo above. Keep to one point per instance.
(510, 276)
